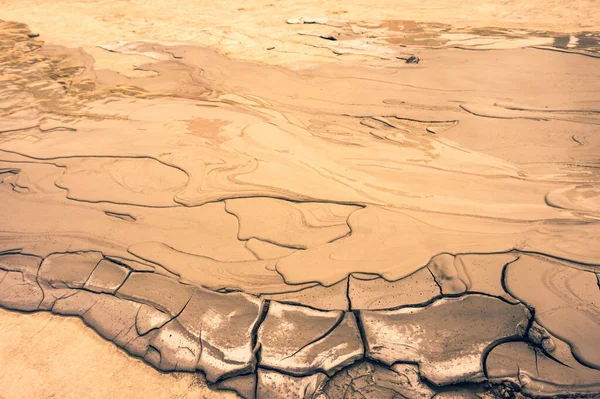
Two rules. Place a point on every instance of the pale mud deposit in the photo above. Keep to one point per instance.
(418, 217)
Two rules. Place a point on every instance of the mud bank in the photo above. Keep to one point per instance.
(340, 230)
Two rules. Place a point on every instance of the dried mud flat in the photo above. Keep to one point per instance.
(362, 227)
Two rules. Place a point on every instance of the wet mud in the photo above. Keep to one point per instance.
(344, 230)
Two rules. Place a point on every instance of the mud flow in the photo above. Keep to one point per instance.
(413, 214)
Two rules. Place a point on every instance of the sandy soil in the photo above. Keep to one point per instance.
(45, 356)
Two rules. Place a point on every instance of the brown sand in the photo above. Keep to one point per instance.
(51, 356)
(278, 219)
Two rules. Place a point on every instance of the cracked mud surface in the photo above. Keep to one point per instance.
(357, 228)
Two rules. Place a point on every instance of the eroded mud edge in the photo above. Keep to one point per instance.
(168, 325)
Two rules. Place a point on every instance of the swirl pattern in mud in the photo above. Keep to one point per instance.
(341, 231)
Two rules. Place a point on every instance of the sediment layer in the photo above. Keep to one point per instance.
(346, 230)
